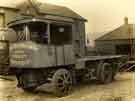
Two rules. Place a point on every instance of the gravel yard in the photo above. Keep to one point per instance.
(122, 89)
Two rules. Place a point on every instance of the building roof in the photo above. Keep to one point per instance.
(124, 32)
(58, 10)
(51, 9)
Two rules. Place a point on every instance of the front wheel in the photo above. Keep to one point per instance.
(62, 82)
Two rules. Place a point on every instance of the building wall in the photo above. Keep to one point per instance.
(105, 47)
(109, 47)
(8, 15)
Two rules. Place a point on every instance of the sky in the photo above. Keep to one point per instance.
(103, 15)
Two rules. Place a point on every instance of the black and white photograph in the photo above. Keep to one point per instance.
(67, 50)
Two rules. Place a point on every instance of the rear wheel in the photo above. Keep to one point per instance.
(62, 82)
(105, 74)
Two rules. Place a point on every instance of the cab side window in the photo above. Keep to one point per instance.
(38, 32)
(60, 34)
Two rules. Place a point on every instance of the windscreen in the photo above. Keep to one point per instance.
(20, 32)
(34, 31)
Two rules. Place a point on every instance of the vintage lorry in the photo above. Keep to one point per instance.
(51, 50)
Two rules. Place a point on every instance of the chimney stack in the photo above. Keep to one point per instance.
(126, 20)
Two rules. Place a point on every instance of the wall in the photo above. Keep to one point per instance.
(8, 14)
(108, 47)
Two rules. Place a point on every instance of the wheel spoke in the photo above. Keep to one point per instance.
(62, 77)
(65, 76)
(69, 79)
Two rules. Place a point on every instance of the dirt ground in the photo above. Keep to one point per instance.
(122, 89)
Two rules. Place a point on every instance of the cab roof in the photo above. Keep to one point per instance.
(41, 10)
(26, 19)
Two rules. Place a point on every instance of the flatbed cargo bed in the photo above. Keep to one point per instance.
(94, 58)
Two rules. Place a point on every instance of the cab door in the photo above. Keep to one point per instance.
(64, 55)
(61, 39)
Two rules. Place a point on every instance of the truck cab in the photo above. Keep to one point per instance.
(41, 43)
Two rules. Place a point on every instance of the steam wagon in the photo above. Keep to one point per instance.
(50, 49)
